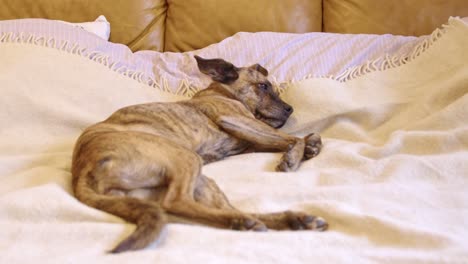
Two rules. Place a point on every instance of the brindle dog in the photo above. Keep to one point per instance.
(144, 162)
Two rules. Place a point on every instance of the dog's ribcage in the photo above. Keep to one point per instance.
(185, 125)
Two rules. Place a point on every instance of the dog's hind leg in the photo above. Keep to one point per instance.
(209, 194)
(180, 198)
(291, 220)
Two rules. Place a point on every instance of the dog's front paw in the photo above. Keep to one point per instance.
(303, 221)
(244, 224)
(313, 145)
(289, 161)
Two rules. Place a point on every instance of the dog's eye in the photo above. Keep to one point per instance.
(262, 86)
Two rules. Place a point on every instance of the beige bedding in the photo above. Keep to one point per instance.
(392, 178)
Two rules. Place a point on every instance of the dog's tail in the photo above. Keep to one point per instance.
(149, 217)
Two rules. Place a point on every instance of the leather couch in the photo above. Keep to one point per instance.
(183, 25)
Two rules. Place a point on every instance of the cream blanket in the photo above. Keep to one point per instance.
(392, 178)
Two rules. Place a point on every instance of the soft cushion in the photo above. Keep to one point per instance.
(99, 27)
(136, 23)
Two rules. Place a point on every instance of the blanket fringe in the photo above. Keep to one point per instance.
(380, 64)
(387, 62)
(187, 88)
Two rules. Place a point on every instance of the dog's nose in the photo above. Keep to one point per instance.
(288, 109)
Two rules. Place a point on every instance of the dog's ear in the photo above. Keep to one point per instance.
(219, 70)
(260, 69)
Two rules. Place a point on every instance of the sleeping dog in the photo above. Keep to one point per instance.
(144, 162)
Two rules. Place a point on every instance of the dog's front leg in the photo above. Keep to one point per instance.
(266, 137)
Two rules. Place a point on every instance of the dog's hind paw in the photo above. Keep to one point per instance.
(244, 224)
(302, 221)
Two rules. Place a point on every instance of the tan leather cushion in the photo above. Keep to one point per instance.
(399, 17)
(194, 24)
(136, 23)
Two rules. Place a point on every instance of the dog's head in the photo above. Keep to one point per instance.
(250, 86)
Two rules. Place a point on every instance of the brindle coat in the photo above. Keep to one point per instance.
(144, 162)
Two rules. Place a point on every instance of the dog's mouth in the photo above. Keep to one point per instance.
(273, 121)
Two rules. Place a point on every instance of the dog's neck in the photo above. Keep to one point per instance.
(219, 90)
(216, 89)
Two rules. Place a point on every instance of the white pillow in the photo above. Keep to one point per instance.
(100, 27)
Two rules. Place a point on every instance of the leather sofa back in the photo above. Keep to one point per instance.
(183, 25)
(194, 24)
(398, 17)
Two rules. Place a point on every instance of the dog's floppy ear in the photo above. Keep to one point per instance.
(260, 69)
(219, 70)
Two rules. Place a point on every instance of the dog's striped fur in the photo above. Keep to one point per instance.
(143, 163)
